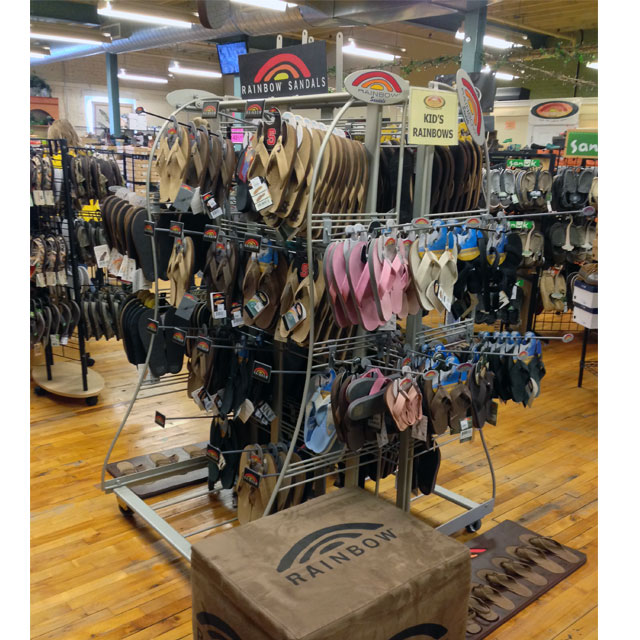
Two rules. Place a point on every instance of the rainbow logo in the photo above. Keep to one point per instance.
(261, 373)
(284, 66)
(211, 234)
(178, 336)
(376, 86)
(176, 228)
(251, 244)
(203, 346)
(434, 102)
(470, 106)
(254, 109)
(210, 109)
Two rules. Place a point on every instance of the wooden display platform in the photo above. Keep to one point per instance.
(66, 380)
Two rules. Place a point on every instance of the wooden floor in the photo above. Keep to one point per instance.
(97, 574)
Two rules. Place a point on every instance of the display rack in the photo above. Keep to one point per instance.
(67, 378)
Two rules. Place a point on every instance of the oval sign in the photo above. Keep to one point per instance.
(567, 337)
(377, 86)
(435, 102)
(470, 106)
(554, 109)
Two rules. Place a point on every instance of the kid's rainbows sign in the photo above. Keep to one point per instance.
(299, 70)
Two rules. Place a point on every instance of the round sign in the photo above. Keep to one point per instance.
(567, 337)
(377, 86)
(470, 106)
(139, 110)
(554, 109)
(181, 97)
(588, 211)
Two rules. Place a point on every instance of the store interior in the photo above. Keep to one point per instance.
(314, 319)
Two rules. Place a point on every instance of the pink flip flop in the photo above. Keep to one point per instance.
(382, 276)
(359, 278)
(410, 303)
(339, 313)
(339, 270)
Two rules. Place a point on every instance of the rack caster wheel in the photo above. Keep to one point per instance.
(474, 526)
(92, 401)
(39, 391)
(90, 362)
(125, 511)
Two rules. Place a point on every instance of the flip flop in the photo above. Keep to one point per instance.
(158, 359)
(335, 299)
(549, 545)
(338, 272)
(520, 570)
(174, 351)
(360, 285)
(488, 594)
(482, 610)
(382, 277)
(160, 460)
(504, 581)
(280, 166)
(535, 556)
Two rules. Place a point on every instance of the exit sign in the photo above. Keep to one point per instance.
(581, 143)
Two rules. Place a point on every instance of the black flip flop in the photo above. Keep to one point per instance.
(174, 351)
(158, 358)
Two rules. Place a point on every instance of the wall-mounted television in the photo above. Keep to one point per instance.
(228, 56)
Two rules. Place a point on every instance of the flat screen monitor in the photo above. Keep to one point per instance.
(228, 56)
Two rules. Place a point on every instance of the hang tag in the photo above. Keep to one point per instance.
(102, 255)
(183, 199)
(152, 326)
(259, 192)
(179, 337)
(196, 201)
(251, 477)
(492, 417)
(443, 297)
(48, 198)
(252, 243)
(64, 341)
(160, 419)
(150, 228)
(218, 306)
(213, 454)
(115, 261)
(37, 349)
(61, 277)
(257, 304)
(40, 280)
(176, 229)
(210, 233)
(130, 271)
(236, 315)
(203, 345)
(261, 371)
(549, 207)
(294, 316)
(210, 109)
(138, 281)
(55, 340)
(186, 307)
(267, 412)
(382, 436)
(50, 278)
(246, 410)
(466, 430)
(419, 429)
(38, 197)
(514, 199)
(390, 325)
(197, 399)
(124, 263)
(207, 400)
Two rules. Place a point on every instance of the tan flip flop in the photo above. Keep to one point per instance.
(549, 545)
(160, 460)
(298, 179)
(535, 556)
(503, 581)
(280, 166)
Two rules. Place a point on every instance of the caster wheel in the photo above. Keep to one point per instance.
(474, 526)
(125, 511)
(92, 401)
(90, 362)
(39, 391)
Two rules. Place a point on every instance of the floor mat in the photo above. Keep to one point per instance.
(144, 463)
(488, 555)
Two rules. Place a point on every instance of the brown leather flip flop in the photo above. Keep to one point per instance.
(489, 594)
(482, 610)
(504, 581)
(519, 569)
(535, 556)
(549, 545)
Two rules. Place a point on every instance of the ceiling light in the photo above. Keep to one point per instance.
(593, 65)
(106, 9)
(490, 41)
(203, 73)
(354, 50)
(499, 74)
(274, 5)
(67, 33)
(123, 75)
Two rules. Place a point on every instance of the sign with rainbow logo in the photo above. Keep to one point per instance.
(291, 71)
(376, 86)
(470, 106)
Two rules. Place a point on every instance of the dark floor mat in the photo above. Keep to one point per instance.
(489, 550)
(163, 485)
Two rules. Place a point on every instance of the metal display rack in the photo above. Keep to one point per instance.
(318, 353)
(68, 379)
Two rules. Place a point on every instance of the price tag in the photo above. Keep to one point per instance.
(246, 410)
(210, 233)
(61, 276)
(419, 429)
(130, 272)
(160, 419)
(48, 198)
(55, 340)
(50, 278)
(38, 197)
(466, 430)
(267, 412)
(197, 399)
(236, 315)
(217, 306)
(139, 281)
(443, 297)
(40, 280)
(102, 255)
(115, 260)
(64, 340)
(261, 371)
(176, 229)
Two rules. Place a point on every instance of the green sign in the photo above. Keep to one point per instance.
(524, 162)
(581, 143)
(521, 224)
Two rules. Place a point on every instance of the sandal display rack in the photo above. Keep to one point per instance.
(318, 355)
(65, 378)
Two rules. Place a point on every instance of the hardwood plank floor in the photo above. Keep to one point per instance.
(97, 574)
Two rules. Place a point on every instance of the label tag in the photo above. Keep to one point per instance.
(115, 260)
(196, 200)
(150, 228)
(246, 410)
(186, 307)
(443, 297)
(256, 304)
(124, 264)
(466, 430)
(102, 255)
(390, 325)
(55, 340)
(139, 281)
(419, 429)
(38, 197)
(179, 337)
(251, 477)
(217, 305)
(37, 349)
(236, 315)
(252, 243)
(130, 272)
(260, 194)
(48, 198)
(152, 326)
(62, 277)
(160, 419)
(261, 371)
(254, 109)
(50, 278)
(267, 412)
(64, 340)
(40, 280)
(294, 316)
(183, 199)
(382, 436)
(210, 109)
(203, 345)
(176, 229)
(213, 453)
(492, 418)
(210, 233)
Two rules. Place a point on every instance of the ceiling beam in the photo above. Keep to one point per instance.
(531, 28)
(81, 12)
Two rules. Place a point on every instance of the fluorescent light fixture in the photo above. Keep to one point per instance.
(490, 41)
(593, 65)
(64, 38)
(499, 74)
(203, 73)
(123, 75)
(354, 50)
(274, 5)
(106, 9)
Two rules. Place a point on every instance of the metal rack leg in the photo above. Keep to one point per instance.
(585, 339)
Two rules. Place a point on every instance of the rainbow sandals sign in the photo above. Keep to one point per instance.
(470, 106)
(376, 86)
(292, 71)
